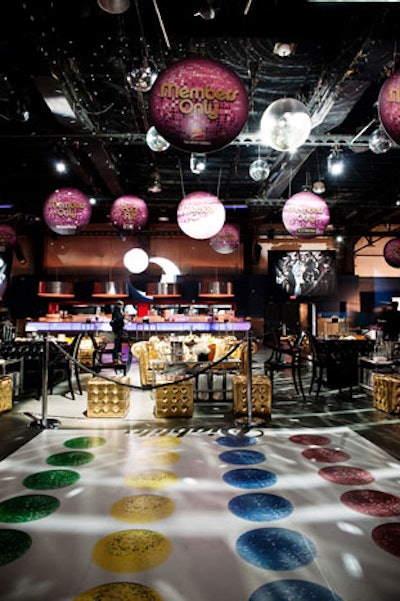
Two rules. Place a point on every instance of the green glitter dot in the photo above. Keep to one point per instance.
(85, 442)
(27, 508)
(71, 458)
(13, 544)
(51, 479)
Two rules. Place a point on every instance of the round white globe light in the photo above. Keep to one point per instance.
(285, 124)
(136, 260)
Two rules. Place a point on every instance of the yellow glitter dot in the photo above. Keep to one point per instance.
(131, 551)
(157, 458)
(119, 591)
(160, 441)
(151, 479)
(142, 508)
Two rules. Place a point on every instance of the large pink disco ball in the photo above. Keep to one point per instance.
(389, 107)
(129, 213)
(67, 211)
(391, 252)
(226, 240)
(200, 215)
(198, 105)
(8, 237)
(305, 215)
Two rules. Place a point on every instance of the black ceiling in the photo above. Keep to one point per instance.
(344, 52)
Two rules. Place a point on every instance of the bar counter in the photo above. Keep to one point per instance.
(151, 327)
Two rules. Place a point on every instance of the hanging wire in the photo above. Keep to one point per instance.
(219, 181)
(161, 24)
(181, 174)
(146, 55)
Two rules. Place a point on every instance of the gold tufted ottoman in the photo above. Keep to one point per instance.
(5, 393)
(108, 399)
(260, 392)
(387, 392)
(174, 400)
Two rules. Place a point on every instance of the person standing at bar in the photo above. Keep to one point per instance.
(117, 325)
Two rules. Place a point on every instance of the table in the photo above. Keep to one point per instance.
(368, 366)
(195, 369)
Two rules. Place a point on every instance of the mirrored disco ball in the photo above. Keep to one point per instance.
(259, 170)
(141, 79)
(285, 124)
(155, 141)
(378, 142)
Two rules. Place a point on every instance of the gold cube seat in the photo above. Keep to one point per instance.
(5, 393)
(386, 392)
(175, 399)
(108, 399)
(260, 393)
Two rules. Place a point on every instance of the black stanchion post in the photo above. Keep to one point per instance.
(44, 422)
(249, 420)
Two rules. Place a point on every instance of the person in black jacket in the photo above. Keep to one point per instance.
(117, 325)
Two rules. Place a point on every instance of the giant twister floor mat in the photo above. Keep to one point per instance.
(261, 516)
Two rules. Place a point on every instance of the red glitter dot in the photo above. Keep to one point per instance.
(341, 474)
(387, 537)
(325, 455)
(372, 502)
(310, 439)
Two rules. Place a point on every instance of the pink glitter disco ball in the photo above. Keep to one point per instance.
(389, 107)
(8, 237)
(198, 105)
(305, 215)
(200, 215)
(129, 213)
(391, 252)
(226, 240)
(66, 211)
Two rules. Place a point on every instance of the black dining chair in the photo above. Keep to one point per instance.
(63, 363)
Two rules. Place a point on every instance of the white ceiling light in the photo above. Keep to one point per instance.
(197, 163)
(335, 162)
(283, 49)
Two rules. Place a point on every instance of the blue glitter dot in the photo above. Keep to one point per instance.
(250, 478)
(300, 590)
(276, 549)
(233, 440)
(260, 507)
(242, 457)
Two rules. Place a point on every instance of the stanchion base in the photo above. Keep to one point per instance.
(249, 422)
(43, 424)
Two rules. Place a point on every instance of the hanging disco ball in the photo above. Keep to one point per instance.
(305, 215)
(259, 170)
(378, 142)
(155, 141)
(8, 237)
(200, 215)
(389, 107)
(285, 124)
(141, 79)
(391, 252)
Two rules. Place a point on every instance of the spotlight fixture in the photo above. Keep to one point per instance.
(318, 186)
(206, 12)
(197, 163)
(283, 49)
(19, 254)
(378, 142)
(154, 183)
(259, 170)
(335, 162)
(114, 7)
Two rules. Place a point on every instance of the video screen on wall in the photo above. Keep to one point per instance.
(303, 273)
